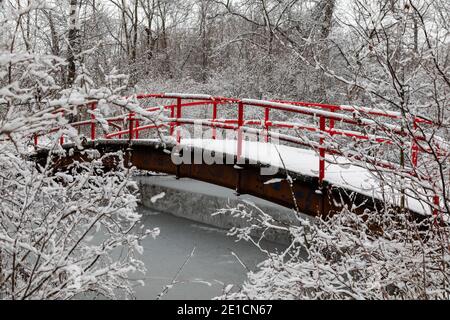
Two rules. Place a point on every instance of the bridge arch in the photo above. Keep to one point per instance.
(315, 195)
(305, 193)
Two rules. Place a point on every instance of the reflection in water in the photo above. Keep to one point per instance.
(208, 271)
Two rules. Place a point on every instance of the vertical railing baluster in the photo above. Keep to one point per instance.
(240, 125)
(435, 208)
(136, 131)
(414, 146)
(322, 149)
(266, 122)
(172, 115)
(178, 117)
(331, 123)
(414, 162)
(130, 126)
(61, 138)
(214, 117)
(93, 106)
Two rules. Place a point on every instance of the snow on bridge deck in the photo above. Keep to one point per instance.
(339, 171)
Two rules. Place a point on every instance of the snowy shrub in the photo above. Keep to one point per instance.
(63, 234)
(68, 233)
(381, 255)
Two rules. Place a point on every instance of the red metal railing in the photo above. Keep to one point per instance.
(328, 116)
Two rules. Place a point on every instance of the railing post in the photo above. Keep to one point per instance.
(178, 116)
(61, 139)
(130, 126)
(322, 150)
(136, 125)
(93, 106)
(214, 117)
(436, 206)
(172, 115)
(266, 123)
(240, 124)
(414, 146)
(331, 123)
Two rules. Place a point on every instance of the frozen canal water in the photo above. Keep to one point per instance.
(211, 267)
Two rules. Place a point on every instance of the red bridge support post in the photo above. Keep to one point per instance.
(214, 117)
(414, 161)
(61, 139)
(172, 115)
(240, 125)
(435, 208)
(322, 149)
(266, 123)
(136, 132)
(178, 116)
(331, 123)
(93, 106)
(130, 126)
(414, 146)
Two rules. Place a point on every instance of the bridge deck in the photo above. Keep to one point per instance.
(324, 128)
(339, 172)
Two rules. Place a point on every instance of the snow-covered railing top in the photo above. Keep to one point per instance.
(347, 108)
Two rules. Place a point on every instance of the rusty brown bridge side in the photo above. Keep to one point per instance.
(311, 198)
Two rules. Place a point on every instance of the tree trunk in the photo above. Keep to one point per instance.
(74, 42)
(204, 39)
(324, 15)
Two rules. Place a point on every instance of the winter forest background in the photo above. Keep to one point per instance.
(387, 54)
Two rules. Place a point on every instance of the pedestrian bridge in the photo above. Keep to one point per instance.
(313, 157)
